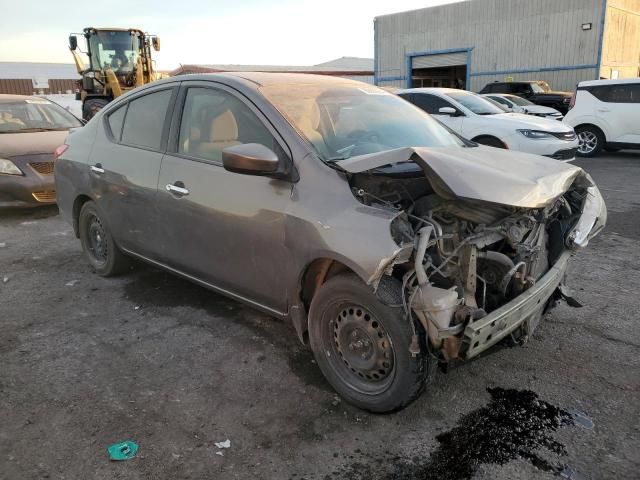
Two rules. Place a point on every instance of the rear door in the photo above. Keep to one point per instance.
(618, 109)
(224, 228)
(125, 163)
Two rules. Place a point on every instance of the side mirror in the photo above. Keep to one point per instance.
(452, 112)
(73, 42)
(250, 159)
(155, 41)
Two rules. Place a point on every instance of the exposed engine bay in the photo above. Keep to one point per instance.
(469, 257)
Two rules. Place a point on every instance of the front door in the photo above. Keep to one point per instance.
(432, 104)
(224, 228)
(124, 167)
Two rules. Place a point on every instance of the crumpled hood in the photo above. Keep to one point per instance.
(480, 173)
(30, 143)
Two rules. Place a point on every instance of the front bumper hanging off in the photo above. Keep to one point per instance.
(527, 307)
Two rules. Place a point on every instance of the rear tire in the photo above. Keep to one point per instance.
(362, 345)
(591, 140)
(92, 106)
(490, 142)
(97, 242)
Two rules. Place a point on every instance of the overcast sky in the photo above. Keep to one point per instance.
(285, 32)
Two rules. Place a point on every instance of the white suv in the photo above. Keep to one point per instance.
(606, 114)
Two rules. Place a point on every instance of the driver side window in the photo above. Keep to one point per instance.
(430, 103)
(213, 120)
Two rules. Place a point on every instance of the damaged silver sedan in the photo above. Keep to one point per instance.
(391, 243)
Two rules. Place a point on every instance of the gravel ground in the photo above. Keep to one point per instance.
(87, 361)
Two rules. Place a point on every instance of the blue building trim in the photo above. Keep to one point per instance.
(375, 51)
(601, 39)
(533, 70)
(392, 78)
(409, 61)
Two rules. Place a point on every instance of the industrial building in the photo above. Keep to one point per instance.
(474, 42)
(354, 68)
(34, 78)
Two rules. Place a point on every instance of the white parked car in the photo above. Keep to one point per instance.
(478, 119)
(517, 104)
(606, 114)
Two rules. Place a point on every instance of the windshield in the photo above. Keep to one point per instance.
(501, 103)
(540, 87)
(114, 49)
(523, 102)
(34, 114)
(477, 104)
(346, 120)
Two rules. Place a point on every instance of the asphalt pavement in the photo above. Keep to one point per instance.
(87, 361)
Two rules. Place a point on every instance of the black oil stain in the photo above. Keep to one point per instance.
(514, 424)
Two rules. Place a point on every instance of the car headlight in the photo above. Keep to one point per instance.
(7, 167)
(535, 134)
(592, 220)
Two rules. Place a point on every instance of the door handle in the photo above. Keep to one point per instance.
(604, 110)
(177, 189)
(97, 168)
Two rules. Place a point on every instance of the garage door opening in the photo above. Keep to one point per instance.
(445, 77)
(446, 70)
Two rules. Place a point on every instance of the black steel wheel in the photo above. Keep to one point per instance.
(97, 243)
(362, 345)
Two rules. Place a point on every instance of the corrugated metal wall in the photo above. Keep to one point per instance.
(507, 36)
(24, 86)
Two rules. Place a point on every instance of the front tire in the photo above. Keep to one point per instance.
(97, 242)
(362, 345)
(591, 140)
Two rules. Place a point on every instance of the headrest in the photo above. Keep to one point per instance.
(224, 128)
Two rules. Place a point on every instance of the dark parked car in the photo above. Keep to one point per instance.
(536, 91)
(390, 242)
(30, 130)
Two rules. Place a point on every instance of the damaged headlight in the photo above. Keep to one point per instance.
(592, 220)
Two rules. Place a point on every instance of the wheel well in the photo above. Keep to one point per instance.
(77, 206)
(478, 137)
(317, 273)
(592, 126)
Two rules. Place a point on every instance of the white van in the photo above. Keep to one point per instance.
(606, 115)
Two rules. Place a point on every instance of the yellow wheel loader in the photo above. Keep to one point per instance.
(119, 60)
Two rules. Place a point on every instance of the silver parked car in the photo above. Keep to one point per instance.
(390, 242)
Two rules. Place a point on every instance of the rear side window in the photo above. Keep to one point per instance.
(430, 103)
(616, 93)
(115, 121)
(145, 118)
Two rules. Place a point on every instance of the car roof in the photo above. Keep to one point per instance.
(590, 83)
(268, 78)
(432, 90)
(7, 98)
